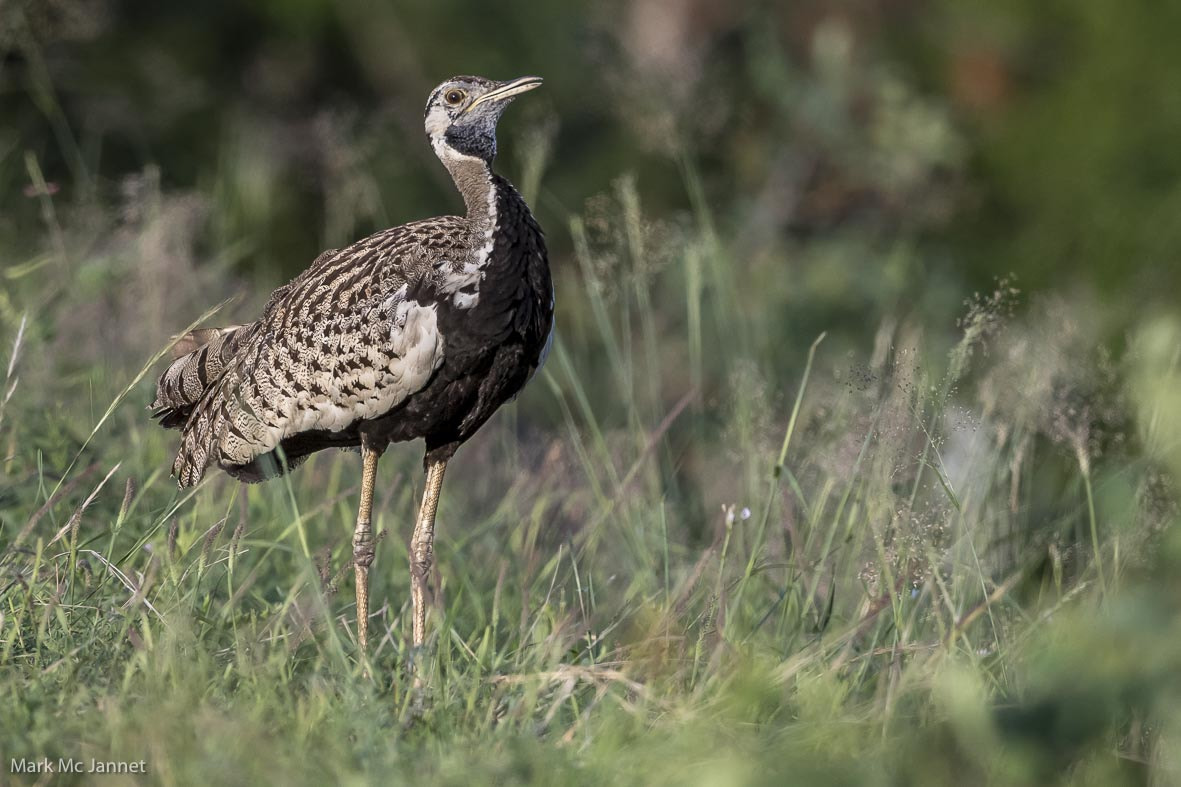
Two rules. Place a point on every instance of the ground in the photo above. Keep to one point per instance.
(902, 565)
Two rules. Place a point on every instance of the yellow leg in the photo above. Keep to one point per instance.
(363, 541)
(422, 548)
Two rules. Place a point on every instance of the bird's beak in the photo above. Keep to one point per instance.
(507, 90)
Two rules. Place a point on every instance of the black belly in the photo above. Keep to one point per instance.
(448, 411)
(480, 372)
(457, 401)
(490, 351)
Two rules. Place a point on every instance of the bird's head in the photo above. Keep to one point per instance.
(461, 114)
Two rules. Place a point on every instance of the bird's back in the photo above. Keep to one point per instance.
(345, 341)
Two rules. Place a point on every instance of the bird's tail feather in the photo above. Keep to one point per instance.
(224, 430)
(201, 358)
(200, 430)
(186, 394)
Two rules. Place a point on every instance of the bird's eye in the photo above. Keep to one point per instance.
(453, 97)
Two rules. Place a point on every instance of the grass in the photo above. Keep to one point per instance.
(687, 555)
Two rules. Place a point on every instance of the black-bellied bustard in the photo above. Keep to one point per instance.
(421, 330)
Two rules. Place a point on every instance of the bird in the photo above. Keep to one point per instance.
(418, 331)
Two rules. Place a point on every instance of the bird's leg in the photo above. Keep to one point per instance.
(363, 542)
(422, 547)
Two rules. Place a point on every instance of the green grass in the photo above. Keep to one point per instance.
(698, 550)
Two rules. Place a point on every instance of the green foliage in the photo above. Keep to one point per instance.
(891, 576)
(764, 515)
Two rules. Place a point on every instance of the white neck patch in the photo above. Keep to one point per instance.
(449, 155)
(465, 283)
(437, 121)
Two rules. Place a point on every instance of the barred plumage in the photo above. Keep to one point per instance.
(200, 358)
(339, 344)
(421, 330)
(357, 334)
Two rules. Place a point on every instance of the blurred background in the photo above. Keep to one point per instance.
(950, 531)
(867, 157)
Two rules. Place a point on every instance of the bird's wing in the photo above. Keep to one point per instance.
(349, 339)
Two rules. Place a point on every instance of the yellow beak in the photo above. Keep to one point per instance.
(507, 90)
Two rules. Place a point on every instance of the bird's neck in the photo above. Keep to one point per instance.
(477, 184)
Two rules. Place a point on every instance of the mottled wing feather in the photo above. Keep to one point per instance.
(349, 339)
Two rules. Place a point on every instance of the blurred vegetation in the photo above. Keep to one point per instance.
(937, 544)
(865, 152)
